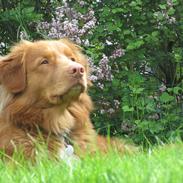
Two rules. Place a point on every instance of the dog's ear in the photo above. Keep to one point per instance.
(12, 73)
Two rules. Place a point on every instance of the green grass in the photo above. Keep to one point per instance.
(161, 164)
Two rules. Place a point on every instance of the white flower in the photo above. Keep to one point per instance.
(108, 42)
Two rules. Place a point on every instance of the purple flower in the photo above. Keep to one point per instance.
(66, 23)
(119, 52)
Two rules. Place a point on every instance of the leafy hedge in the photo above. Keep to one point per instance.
(135, 49)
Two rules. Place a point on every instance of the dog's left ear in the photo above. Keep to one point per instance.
(12, 73)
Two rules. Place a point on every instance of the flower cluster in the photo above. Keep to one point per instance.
(67, 22)
(103, 71)
(119, 52)
(165, 12)
(171, 19)
(107, 108)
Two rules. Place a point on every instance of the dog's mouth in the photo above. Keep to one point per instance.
(73, 92)
(61, 95)
(70, 94)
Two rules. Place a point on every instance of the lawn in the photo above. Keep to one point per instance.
(160, 164)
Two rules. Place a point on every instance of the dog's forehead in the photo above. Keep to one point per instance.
(48, 49)
(55, 47)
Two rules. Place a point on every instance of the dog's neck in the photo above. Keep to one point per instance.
(56, 119)
(24, 112)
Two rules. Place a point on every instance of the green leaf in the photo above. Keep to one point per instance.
(171, 11)
(162, 6)
(106, 11)
(133, 4)
(155, 34)
(135, 44)
(178, 57)
(165, 97)
(117, 10)
(126, 32)
(126, 108)
(177, 89)
(137, 90)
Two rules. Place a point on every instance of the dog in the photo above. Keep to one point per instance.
(43, 98)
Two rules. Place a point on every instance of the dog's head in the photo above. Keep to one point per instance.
(49, 72)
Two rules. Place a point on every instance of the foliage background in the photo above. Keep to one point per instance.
(135, 49)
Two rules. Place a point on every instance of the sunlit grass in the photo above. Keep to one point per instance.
(161, 164)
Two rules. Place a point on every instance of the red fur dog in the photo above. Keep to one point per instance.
(43, 90)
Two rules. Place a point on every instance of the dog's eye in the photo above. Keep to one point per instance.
(45, 62)
(73, 59)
